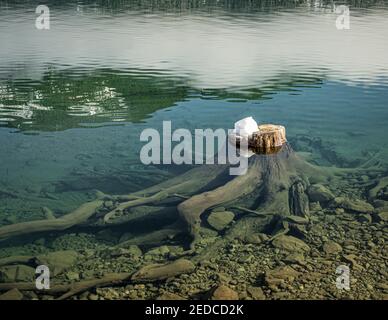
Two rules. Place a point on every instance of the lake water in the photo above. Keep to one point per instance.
(75, 98)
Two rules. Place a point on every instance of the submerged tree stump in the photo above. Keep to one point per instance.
(268, 139)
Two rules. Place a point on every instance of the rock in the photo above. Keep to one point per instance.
(220, 219)
(93, 297)
(279, 275)
(298, 200)
(315, 206)
(297, 258)
(169, 296)
(13, 294)
(208, 233)
(132, 251)
(256, 293)
(108, 204)
(331, 247)
(355, 205)
(159, 251)
(290, 243)
(223, 278)
(339, 211)
(380, 204)
(297, 219)
(351, 258)
(255, 238)
(365, 217)
(58, 261)
(72, 276)
(17, 273)
(223, 292)
(320, 193)
(382, 216)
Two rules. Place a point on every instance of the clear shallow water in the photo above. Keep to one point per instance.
(74, 99)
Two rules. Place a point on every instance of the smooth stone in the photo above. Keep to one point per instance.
(255, 238)
(59, 261)
(93, 297)
(223, 292)
(331, 247)
(256, 293)
(279, 275)
(290, 243)
(339, 211)
(14, 273)
(320, 193)
(315, 206)
(355, 205)
(382, 216)
(295, 258)
(72, 276)
(220, 219)
(159, 251)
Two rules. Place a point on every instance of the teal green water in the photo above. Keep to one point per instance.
(74, 99)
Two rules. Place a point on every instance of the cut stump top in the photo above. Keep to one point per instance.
(268, 139)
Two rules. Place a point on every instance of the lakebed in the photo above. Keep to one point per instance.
(70, 122)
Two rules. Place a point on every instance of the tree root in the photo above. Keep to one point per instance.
(150, 273)
(17, 260)
(189, 182)
(157, 272)
(382, 183)
(191, 209)
(108, 279)
(70, 289)
(76, 217)
(155, 237)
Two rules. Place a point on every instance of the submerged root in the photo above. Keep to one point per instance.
(150, 273)
(155, 237)
(69, 290)
(76, 217)
(187, 183)
(191, 209)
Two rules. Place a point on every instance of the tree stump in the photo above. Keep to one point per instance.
(268, 139)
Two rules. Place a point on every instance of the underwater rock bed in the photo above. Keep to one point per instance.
(282, 237)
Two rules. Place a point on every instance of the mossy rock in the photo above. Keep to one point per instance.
(59, 261)
(17, 273)
(320, 193)
(220, 219)
(291, 244)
